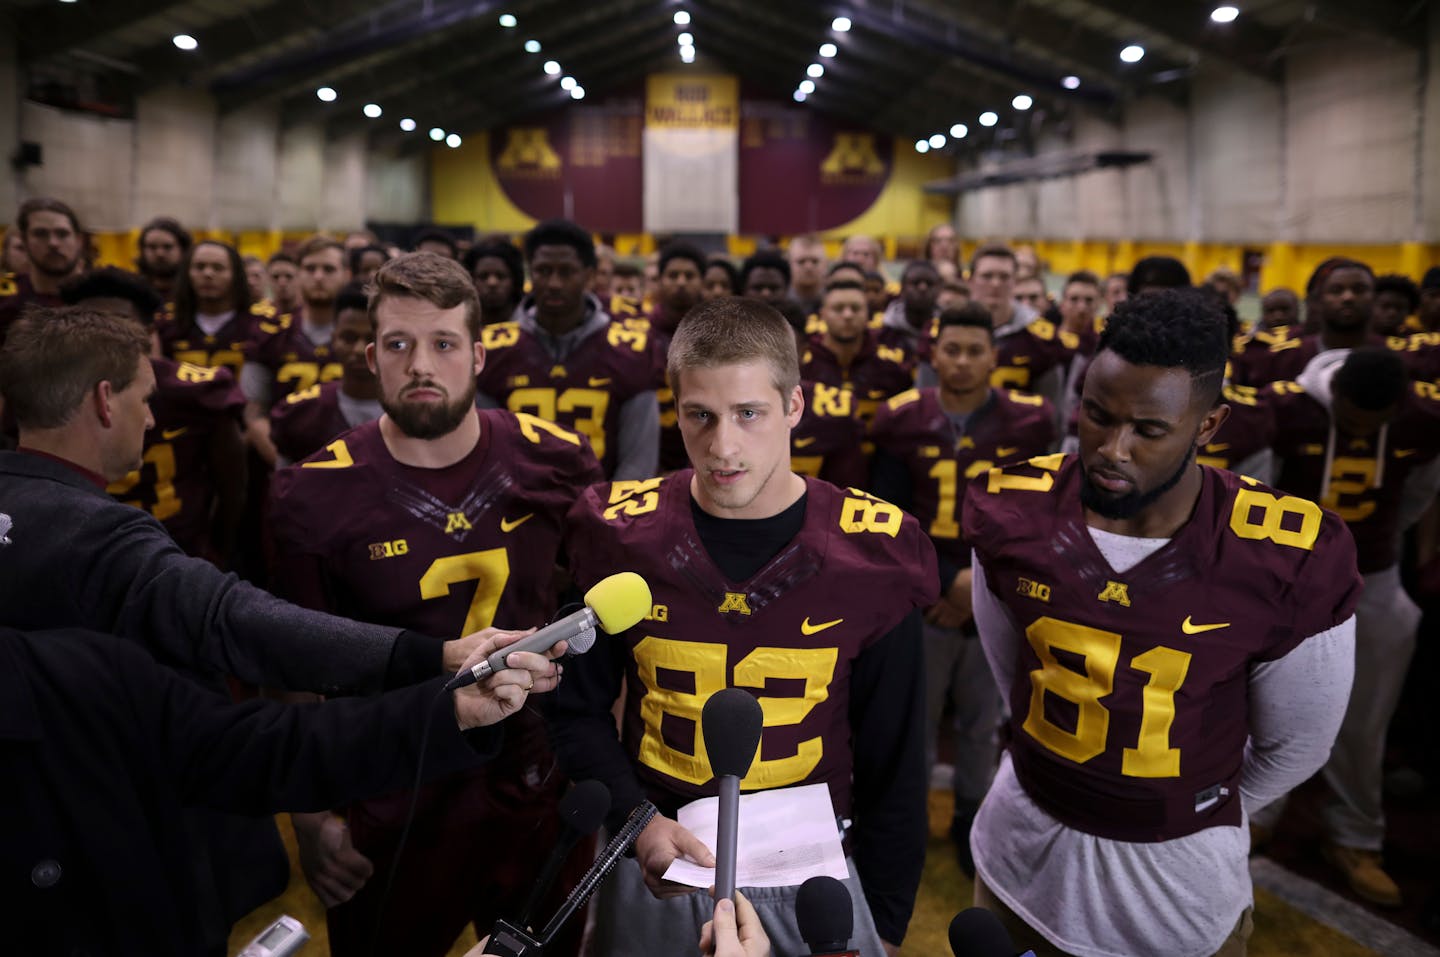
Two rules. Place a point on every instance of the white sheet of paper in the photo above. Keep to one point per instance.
(786, 836)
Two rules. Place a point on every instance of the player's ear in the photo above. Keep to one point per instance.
(100, 398)
(797, 406)
(1211, 423)
(479, 357)
(370, 356)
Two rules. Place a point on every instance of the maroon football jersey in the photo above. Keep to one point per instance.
(914, 429)
(304, 422)
(1024, 356)
(1249, 428)
(280, 345)
(444, 551)
(1421, 353)
(790, 633)
(827, 442)
(584, 393)
(815, 326)
(1129, 703)
(189, 343)
(176, 483)
(1366, 480)
(16, 292)
(875, 374)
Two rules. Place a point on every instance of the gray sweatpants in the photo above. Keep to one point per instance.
(954, 658)
(1385, 623)
(632, 922)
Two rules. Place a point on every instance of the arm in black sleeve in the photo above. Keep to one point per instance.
(582, 727)
(887, 721)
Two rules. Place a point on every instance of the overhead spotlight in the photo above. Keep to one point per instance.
(1071, 82)
(800, 96)
(184, 41)
(1022, 102)
(840, 24)
(567, 83)
(408, 125)
(682, 18)
(1225, 14)
(326, 94)
(373, 110)
(578, 93)
(815, 71)
(532, 46)
(959, 131)
(436, 133)
(807, 86)
(507, 20)
(551, 68)
(687, 54)
(685, 40)
(937, 141)
(827, 50)
(1134, 53)
(453, 140)
(922, 146)
(989, 118)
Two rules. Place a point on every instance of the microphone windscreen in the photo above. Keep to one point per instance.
(584, 806)
(730, 723)
(825, 913)
(977, 932)
(619, 601)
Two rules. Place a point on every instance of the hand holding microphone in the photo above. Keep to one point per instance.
(505, 692)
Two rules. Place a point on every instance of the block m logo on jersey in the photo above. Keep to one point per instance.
(457, 522)
(1116, 592)
(734, 601)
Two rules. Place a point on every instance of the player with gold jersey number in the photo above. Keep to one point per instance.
(447, 519)
(801, 593)
(213, 318)
(928, 444)
(1176, 644)
(565, 360)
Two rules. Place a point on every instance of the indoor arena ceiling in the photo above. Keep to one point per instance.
(904, 66)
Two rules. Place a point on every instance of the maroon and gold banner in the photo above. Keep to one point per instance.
(801, 171)
(582, 163)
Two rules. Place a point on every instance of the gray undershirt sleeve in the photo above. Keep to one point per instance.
(257, 382)
(1296, 705)
(637, 455)
(1260, 466)
(999, 635)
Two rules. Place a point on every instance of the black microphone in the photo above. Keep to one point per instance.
(616, 604)
(826, 916)
(582, 810)
(730, 723)
(977, 932)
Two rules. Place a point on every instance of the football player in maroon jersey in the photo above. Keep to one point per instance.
(163, 246)
(1029, 348)
(928, 443)
(765, 276)
(848, 356)
(192, 473)
(499, 275)
(1362, 440)
(55, 245)
(451, 521)
(212, 321)
(304, 422)
(910, 319)
(682, 267)
(291, 353)
(1176, 645)
(565, 360)
(284, 275)
(765, 580)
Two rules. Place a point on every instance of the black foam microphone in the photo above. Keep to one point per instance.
(730, 723)
(977, 932)
(826, 916)
(582, 810)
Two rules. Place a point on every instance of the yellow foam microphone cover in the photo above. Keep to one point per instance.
(619, 601)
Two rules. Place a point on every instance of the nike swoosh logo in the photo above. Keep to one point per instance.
(169, 434)
(1005, 451)
(1217, 447)
(804, 443)
(597, 383)
(1190, 628)
(1402, 453)
(507, 525)
(808, 629)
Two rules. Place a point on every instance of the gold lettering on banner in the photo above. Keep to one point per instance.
(686, 101)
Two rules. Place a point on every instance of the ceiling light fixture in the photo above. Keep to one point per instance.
(1225, 14)
(989, 118)
(1134, 53)
(828, 50)
(453, 140)
(408, 125)
(1071, 82)
(184, 41)
(567, 83)
(373, 110)
(815, 71)
(1022, 102)
(578, 93)
(436, 133)
(922, 146)
(807, 86)
(532, 46)
(326, 94)
(840, 24)
(686, 40)
(959, 131)
(507, 20)
(551, 68)
(800, 96)
(937, 141)
(682, 18)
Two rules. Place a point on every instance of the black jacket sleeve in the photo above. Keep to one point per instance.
(887, 713)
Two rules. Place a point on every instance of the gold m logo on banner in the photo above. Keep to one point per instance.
(528, 153)
(853, 157)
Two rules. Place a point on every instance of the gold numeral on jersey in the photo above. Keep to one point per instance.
(619, 336)
(298, 376)
(231, 359)
(531, 427)
(1002, 481)
(490, 570)
(706, 662)
(546, 405)
(635, 497)
(1273, 511)
(1152, 756)
(187, 372)
(870, 514)
(167, 503)
(1350, 476)
(944, 525)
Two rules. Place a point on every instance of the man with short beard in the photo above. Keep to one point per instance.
(56, 245)
(1175, 642)
(806, 255)
(851, 358)
(437, 515)
(163, 246)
